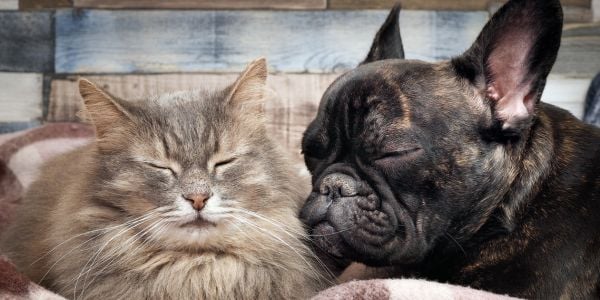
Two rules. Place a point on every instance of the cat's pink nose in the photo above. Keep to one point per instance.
(198, 200)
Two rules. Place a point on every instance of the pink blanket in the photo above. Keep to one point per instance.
(21, 155)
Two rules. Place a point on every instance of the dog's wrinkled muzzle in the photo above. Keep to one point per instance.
(349, 220)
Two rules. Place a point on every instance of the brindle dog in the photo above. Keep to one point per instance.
(455, 171)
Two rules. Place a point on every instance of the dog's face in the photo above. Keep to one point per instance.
(406, 153)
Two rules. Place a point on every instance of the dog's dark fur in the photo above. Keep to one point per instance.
(455, 171)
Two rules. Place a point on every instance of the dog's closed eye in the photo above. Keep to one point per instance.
(394, 157)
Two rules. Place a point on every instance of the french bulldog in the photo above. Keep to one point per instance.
(456, 171)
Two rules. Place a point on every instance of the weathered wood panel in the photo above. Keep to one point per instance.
(203, 4)
(99, 41)
(44, 4)
(8, 127)
(577, 14)
(581, 30)
(26, 41)
(288, 114)
(567, 93)
(9, 4)
(579, 55)
(20, 97)
(410, 4)
(581, 3)
(573, 11)
(586, 3)
(429, 4)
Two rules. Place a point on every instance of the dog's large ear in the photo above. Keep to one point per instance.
(512, 57)
(388, 42)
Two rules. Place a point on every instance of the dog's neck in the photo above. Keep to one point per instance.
(526, 164)
(532, 169)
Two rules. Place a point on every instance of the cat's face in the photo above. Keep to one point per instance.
(193, 164)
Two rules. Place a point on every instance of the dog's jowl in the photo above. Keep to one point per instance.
(455, 171)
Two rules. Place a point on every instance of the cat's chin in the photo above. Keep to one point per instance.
(199, 223)
(195, 234)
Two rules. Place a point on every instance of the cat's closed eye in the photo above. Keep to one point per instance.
(161, 167)
(224, 162)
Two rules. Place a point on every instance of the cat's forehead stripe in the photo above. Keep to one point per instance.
(165, 146)
(167, 99)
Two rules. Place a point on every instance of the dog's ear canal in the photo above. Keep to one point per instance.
(512, 57)
(388, 42)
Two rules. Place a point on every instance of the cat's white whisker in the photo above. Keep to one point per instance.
(252, 239)
(333, 233)
(85, 233)
(110, 258)
(112, 255)
(248, 222)
(94, 257)
(282, 227)
(107, 229)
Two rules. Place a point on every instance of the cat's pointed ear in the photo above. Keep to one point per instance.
(512, 57)
(248, 91)
(388, 42)
(102, 109)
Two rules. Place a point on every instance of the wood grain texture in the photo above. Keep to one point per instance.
(577, 14)
(9, 4)
(8, 127)
(20, 97)
(581, 30)
(573, 11)
(580, 3)
(26, 41)
(579, 54)
(100, 41)
(44, 4)
(567, 93)
(585, 3)
(203, 4)
(410, 4)
(287, 115)
(429, 4)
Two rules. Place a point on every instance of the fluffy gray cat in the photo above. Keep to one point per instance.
(181, 196)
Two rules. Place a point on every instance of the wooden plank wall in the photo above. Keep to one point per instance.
(204, 4)
(288, 113)
(298, 95)
(147, 46)
(96, 41)
(26, 41)
(9, 4)
(20, 97)
(574, 11)
(579, 54)
(308, 41)
(461, 5)
(44, 4)
(410, 4)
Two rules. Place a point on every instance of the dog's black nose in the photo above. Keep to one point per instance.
(338, 185)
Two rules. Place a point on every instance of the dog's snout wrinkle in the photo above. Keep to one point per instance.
(315, 209)
(338, 185)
